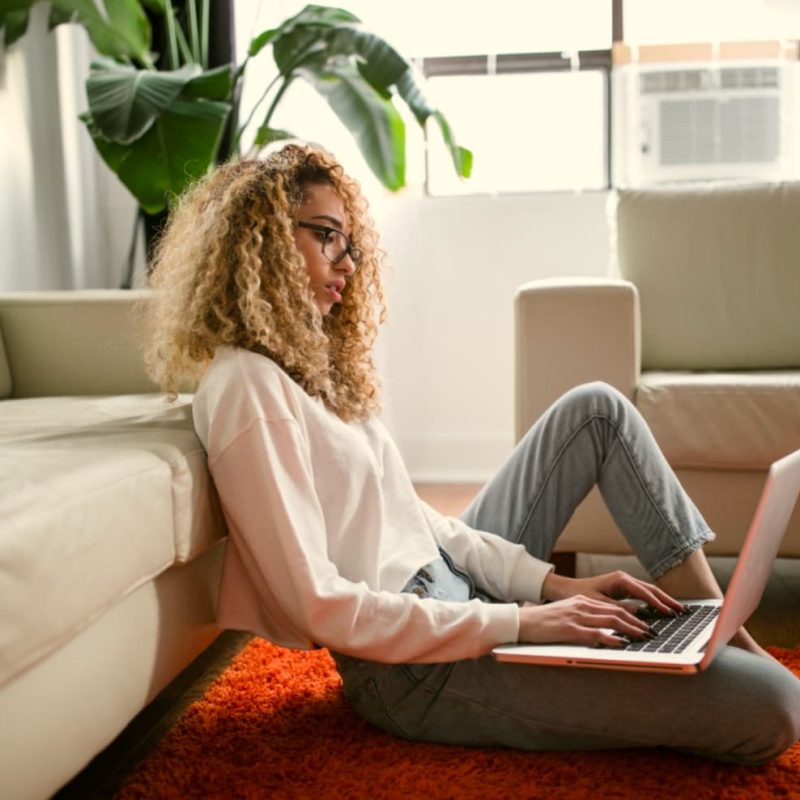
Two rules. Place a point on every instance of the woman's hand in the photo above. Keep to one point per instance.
(579, 620)
(591, 611)
(613, 587)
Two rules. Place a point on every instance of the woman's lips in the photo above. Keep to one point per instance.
(335, 291)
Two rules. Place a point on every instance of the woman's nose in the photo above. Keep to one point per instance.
(347, 265)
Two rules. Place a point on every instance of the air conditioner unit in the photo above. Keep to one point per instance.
(705, 122)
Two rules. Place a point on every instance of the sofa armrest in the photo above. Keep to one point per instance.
(72, 343)
(571, 331)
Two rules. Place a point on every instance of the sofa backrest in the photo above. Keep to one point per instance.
(70, 343)
(717, 267)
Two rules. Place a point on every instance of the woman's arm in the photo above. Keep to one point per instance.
(501, 568)
(575, 610)
(266, 484)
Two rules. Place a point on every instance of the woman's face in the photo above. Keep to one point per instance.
(324, 208)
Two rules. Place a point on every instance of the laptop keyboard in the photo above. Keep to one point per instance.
(673, 634)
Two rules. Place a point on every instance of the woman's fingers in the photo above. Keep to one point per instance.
(580, 620)
(621, 584)
(598, 616)
(611, 587)
(619, 619)
(604, 613)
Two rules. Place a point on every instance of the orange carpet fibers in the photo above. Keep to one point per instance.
(275, 725)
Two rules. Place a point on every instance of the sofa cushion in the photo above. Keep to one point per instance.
(97, 496)
(73, 342)
(716, 269)
(742, 420)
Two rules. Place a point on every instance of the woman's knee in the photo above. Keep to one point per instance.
(773, 721)
(596, 398)
(785, 720)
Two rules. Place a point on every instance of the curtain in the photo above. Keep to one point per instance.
(63, 224)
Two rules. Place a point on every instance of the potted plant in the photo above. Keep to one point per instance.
(159, 127)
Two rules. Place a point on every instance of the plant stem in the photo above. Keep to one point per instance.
(288, 78)
(173, 42)
(254, 109)
(286, 84)
(277, 99)
(186, 51)
(204, 33)
(194, 33)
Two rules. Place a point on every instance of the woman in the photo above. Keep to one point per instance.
(267, 290)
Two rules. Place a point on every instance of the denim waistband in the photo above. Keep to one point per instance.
(443, 580)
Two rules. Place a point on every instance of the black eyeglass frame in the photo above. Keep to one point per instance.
(353, 252)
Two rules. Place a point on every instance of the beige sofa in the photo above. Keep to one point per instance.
(700, 327)
(111, 535)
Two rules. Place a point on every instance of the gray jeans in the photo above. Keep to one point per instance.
(744, 708)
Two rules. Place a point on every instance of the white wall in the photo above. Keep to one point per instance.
(447, 352)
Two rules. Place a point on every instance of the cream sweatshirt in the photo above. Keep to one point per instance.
(325, 529)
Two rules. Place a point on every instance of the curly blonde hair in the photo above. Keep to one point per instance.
(227, 272)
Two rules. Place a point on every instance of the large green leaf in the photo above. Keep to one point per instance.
(385, 69)
(123, 31)
(117, 28)
(177, 149)
(318, 17)
(58, 16)
(462, 158)
(371, 119)
(377, 61)
(124, 102)
(267, 135)
(411, 92)
(14, 23)
(315, 49)
(127, 17)
(12, 6)
(213, 84)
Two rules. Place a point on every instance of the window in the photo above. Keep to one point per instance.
(586, 94)
(528, 131)
(524, 84)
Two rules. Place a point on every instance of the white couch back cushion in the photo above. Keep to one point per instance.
(717, 267)
(70, 343)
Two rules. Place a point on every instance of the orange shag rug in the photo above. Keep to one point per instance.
(275, 725)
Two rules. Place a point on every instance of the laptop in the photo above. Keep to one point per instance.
(710, 623)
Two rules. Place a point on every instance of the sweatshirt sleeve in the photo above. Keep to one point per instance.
(503, 569)
(265, 482)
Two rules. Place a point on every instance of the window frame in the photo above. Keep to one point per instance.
(533, 62)
(529, 63)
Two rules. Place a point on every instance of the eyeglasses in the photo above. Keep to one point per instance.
(335, 245)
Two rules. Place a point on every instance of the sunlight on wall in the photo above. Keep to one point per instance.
(681, 21)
